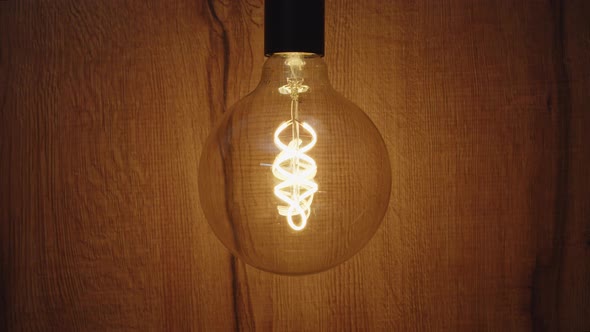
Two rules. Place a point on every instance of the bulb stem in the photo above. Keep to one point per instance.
(295, 133)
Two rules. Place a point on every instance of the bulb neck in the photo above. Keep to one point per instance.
(294, 26)
(281, 68)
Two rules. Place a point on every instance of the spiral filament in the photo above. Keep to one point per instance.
(292, 166)
(296, 170)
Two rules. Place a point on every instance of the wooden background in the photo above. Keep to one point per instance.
(484, 105)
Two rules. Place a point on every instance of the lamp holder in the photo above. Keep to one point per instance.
(294, 26)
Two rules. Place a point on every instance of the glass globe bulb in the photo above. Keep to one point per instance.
(294, 179)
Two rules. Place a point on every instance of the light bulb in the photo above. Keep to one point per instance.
(294, 178)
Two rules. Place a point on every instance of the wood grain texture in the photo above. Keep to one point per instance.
(484, 106)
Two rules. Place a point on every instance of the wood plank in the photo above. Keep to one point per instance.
(460, 92)
(100, 141)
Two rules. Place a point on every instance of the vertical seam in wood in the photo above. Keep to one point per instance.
(564, 124)
(546, 301)
(234, 284)
(225, 42)
(5, 257)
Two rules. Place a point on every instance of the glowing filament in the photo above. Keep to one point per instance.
(292, 166)
(296, 170)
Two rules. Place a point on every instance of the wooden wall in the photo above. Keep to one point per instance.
(484, 105)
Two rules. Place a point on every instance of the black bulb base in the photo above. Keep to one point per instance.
(294, 26)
